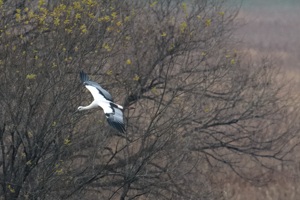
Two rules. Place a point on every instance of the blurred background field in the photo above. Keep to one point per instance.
(271, 28)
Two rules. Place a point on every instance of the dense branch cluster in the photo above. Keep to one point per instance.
(191, 104)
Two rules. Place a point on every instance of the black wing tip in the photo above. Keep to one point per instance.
(83, 76)
(117, 126)
(122, 129)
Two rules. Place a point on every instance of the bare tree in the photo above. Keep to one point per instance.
(191, 104)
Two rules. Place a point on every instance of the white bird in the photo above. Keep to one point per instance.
(102, 98)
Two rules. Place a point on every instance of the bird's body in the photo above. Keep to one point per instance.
(102, 98)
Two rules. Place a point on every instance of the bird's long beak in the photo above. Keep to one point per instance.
(75, 112)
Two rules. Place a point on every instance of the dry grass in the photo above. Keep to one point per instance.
(273, 33)
(284, 186)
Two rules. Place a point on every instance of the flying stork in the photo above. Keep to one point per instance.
(113, 111)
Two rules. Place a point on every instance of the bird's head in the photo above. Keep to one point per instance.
(80, 108)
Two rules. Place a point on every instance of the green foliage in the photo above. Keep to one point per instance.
(31, 76)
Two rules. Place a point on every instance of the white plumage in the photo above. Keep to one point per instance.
(102, 98)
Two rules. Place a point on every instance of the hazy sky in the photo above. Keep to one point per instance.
(270, 3)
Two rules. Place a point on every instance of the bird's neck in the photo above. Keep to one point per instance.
(92, 105)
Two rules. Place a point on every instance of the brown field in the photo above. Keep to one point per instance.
(274, 33)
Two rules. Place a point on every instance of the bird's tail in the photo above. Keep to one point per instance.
(112, 104)
(119, 106)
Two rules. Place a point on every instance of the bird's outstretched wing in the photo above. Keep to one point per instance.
(85, 80)
(115, 119)
(112, 111)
